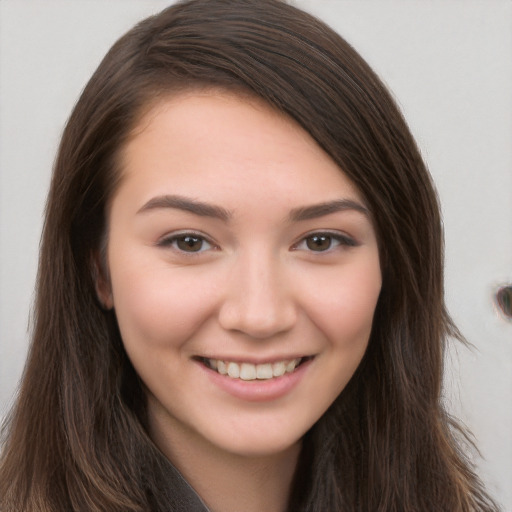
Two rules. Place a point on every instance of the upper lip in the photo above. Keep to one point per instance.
(255, 360)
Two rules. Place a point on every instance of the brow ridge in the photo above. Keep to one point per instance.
(209, 210)
(187, 204)
(319, 210)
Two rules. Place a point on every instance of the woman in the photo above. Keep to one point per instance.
(240, 288)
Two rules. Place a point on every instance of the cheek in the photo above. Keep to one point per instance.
(342, 305)
(344, 314)
(158, 308)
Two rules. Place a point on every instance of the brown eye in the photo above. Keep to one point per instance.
(186, 243)
(319, 243)
(189, 243)
(325, 242)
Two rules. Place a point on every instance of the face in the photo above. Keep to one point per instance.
(244, 273)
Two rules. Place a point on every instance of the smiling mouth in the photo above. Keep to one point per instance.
(249, 371)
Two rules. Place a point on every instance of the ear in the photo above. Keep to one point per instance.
(101, 279)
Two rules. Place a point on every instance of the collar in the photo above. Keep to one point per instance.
(170, 492)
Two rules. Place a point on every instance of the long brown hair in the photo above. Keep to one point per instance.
(76, 439)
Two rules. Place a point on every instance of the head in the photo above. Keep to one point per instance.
(271, 54)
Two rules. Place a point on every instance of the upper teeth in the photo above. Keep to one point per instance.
(249, 371)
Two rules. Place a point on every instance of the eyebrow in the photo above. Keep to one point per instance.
(319, 210)
(217, 212)
(188, 205)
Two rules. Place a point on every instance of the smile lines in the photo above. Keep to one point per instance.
(249, 371)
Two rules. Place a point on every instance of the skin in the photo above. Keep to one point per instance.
(257, 288)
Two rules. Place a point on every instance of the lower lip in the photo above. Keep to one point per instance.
(258, 390)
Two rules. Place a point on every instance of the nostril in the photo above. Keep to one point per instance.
(256, 317)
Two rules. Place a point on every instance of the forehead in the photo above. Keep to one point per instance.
(218, 144)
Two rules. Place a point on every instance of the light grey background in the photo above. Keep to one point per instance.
(448, 62)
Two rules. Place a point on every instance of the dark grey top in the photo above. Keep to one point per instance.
(171, 492)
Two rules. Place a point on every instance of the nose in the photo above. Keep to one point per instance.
(258, 300)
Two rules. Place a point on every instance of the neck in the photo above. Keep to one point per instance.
(248, 484)
(228, 482)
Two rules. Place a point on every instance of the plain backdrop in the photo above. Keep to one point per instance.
(449, 64)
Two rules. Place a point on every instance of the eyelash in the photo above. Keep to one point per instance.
(173, 240)
(340, 239)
